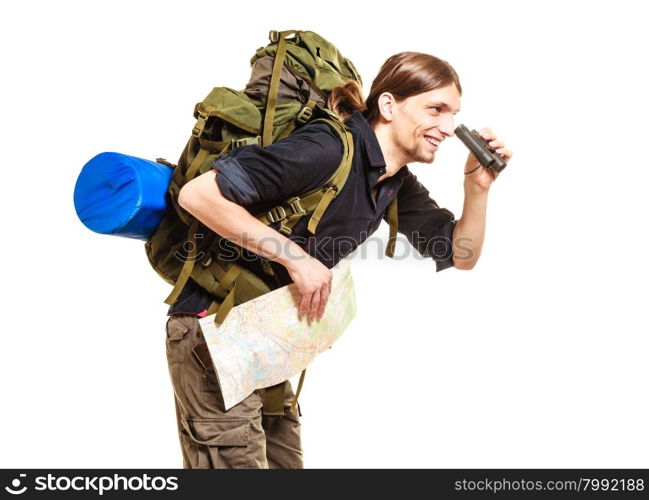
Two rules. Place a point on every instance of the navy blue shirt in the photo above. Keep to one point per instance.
(261, 178)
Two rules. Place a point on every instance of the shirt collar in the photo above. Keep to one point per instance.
(370, 142)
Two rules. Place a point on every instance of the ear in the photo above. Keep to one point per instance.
(386, 105)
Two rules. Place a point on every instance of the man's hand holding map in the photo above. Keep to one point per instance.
(262, 342)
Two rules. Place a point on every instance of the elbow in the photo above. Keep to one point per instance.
(201, 196)
(464, 265)
(187, 197)
(195, 197)
(465, 258)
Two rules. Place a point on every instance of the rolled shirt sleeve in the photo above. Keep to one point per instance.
(428, 227)
(299, 163)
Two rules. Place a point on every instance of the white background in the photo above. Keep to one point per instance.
(536, 358)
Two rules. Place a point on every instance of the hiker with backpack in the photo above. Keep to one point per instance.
(289, 195)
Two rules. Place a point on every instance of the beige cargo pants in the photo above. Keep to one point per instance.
(212, 438)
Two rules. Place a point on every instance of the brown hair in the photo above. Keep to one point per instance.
(403, 75)
(346, 99)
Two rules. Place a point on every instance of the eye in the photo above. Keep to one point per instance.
(436, 109)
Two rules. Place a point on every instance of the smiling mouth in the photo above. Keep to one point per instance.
(432, 142)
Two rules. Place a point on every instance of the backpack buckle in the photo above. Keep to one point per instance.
(328, 186)
(304, 115)
(273, 35)
(200, 124)
(246, 141)
(206, 262)
(296, 207)
(276, 214)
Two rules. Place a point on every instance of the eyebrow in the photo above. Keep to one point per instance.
(442, 105)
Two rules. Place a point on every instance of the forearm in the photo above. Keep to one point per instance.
(203, 199)
(468, 235)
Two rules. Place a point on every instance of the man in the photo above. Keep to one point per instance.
(408, 114)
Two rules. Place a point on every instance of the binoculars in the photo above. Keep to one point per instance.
(479, 147)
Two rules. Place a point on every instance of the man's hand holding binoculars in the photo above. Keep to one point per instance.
(492, 153)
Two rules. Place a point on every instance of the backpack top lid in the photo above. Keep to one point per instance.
(313, 58)
(122, 195)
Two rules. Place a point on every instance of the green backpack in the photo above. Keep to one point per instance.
(291, 79)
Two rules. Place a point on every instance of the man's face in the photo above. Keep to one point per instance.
(421, 122)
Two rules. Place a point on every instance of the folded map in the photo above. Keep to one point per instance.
(262, 342)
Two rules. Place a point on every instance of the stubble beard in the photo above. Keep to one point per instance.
(421, 155)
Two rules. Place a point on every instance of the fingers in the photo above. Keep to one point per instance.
(305, 305)
(324, 296)
(505, 153)
(495, 143)
(314, 284)
(487, 134)
(499, 147)
(315, 303)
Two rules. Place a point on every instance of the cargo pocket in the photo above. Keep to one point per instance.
(211, 397)
(217, 443)
(177, 329)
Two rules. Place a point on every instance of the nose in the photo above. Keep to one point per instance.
(447, 126)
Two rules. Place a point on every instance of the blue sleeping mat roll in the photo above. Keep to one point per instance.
(122, 195)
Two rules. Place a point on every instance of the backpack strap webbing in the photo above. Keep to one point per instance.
(393, 219)
(302, 117)
(188, 265)
(221, 310)
(316, 201)
(299, 389)
(338, 181)
(225, 288)
(274, 398)
(271, 101)
(206, 148)
(198, 160)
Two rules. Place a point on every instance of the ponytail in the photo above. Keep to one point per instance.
(346, 99)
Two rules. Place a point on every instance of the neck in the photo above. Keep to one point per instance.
(394, 159)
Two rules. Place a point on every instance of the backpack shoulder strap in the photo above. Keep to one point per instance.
(393, 219)
(316, 201)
